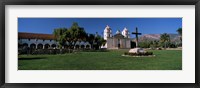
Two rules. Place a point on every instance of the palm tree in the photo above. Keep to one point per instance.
(180, 33)
(164, 38)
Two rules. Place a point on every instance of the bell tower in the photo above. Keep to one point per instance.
(107, 32)
(125, 33)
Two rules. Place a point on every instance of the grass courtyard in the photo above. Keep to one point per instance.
(111, 60)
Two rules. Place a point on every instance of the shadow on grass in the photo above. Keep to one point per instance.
(31, 58)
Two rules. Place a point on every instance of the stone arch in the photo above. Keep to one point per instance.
(40, 46)
(82, 46)
(33, 46)
(20, 45)
(53, 46)
(46, 46)
(87, 46)
(77, 46)
(25, 45)
(66, 46)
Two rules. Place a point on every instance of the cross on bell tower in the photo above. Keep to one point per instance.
(136, 35)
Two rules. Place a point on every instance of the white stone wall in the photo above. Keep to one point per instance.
(113, 43)
(83, 43)
(34, 41)
(128, 43)
(49, 42)
(109, 43)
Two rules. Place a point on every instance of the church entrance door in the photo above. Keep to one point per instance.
(118, 43)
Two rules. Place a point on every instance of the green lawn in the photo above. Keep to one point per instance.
(112, 60)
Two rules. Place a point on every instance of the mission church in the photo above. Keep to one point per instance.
(47, 41)
(119, 40)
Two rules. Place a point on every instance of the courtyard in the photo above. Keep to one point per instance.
(110, 60)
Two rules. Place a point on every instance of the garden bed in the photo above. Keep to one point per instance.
(138, 54)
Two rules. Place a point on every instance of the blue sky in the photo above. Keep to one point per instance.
(93, 25)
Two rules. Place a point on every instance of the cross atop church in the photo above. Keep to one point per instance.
(136, 35)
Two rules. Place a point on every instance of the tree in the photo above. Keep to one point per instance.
(99, 41)
(180, 33)
(91, 39)
(59, 36)
(144, 44)
(164, 38)
(154, 44)
(95, 40)
(103, 42)
(74, 34)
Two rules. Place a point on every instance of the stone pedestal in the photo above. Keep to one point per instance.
(137, 50)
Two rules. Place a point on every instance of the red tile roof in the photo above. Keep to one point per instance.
(24, 35)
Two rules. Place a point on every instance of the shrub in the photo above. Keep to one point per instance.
(56, 51)
(139, 54)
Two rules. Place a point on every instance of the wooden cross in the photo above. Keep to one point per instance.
(136, 35)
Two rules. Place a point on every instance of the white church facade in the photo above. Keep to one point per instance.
(117, 41)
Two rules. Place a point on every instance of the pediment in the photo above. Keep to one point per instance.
(118, 36)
